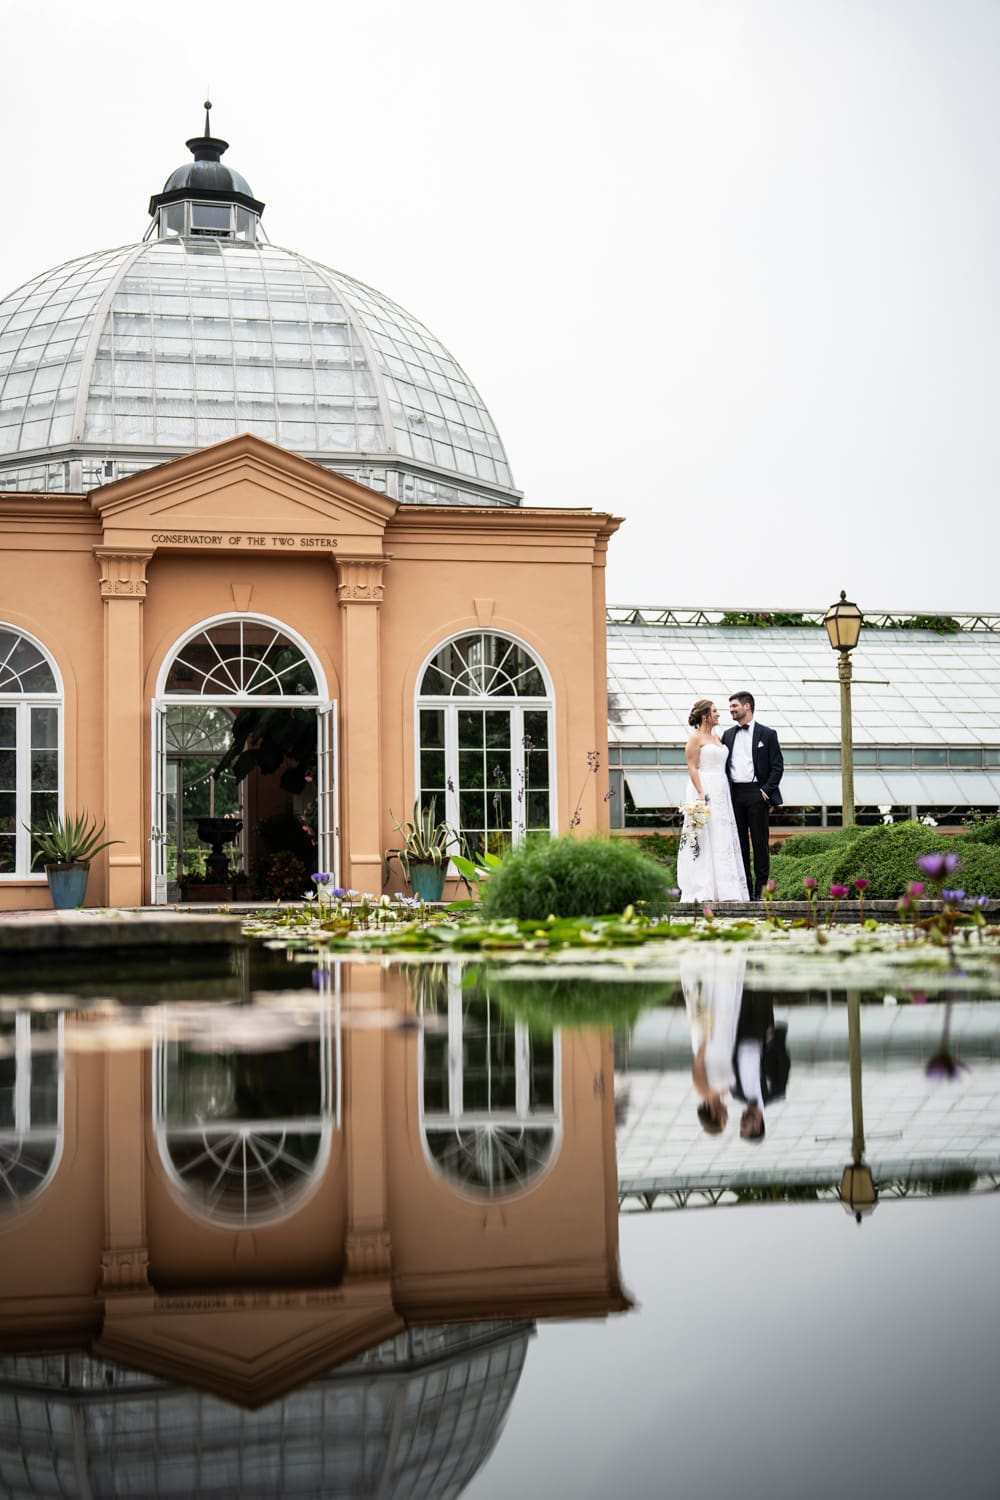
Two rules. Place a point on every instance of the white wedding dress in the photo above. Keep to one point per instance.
(709, 864)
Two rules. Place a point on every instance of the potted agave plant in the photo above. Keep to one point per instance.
(67, 845)
(424, 852)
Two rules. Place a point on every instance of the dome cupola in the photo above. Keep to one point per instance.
(117, 361)
(204, 197)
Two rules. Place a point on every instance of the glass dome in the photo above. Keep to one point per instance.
(416, 1417)
(120, 360)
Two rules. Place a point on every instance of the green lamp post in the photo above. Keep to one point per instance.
(843, 622)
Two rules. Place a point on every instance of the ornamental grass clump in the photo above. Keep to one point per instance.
(573, 877)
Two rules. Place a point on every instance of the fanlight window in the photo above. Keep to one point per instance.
(198, 730)
(31, 1090)
(245, 1132)
(483, 666)
(485, 741)
(490, 1093)
(30, 725)
(241, 658)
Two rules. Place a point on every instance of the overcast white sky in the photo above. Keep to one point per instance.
(724, 267)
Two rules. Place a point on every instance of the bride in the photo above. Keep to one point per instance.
(709, 862)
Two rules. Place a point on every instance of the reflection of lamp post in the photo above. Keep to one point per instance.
(843, 622)
(857, 1186)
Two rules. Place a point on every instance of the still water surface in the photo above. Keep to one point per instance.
(366, 1231)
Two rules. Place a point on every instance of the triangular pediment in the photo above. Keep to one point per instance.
(244, 488)
(249, 1351)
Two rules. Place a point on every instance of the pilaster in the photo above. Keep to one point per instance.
(123, 589)
(359, 592)
(125, 1261)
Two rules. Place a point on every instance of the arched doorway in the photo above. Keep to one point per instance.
(242, 700)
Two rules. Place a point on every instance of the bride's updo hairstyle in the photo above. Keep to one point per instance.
(701, 708)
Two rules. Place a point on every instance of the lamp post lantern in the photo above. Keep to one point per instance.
(857, 1191)
(843, 622)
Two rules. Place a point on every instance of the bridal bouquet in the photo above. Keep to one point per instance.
(696, 815)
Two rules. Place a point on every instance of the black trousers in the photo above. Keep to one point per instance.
(752, 812)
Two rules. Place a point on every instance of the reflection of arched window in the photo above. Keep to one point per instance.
(489, 1092)
(485, 740)
(240, 657)
(242, 1130)
(31, 1079)
(30, 736)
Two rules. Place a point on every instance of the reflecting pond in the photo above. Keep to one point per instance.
(321, 1227)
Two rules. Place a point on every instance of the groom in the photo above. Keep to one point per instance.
(754, 769)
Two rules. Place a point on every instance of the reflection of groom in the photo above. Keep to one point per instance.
(754, 769)
(760, 1062)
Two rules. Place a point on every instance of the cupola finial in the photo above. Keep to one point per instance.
(208, 111)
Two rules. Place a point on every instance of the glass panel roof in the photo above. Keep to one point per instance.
(174, 344)
(910, 688)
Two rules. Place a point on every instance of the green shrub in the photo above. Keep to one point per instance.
(979, 872)
(788, 873)
(660, 846)
(547, 1003)
(980, 831)
(887, 858)
(801, 844)
(572, 877)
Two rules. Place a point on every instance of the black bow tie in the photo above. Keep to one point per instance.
(743, 726)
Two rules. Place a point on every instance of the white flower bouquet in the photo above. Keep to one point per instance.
(695, 817)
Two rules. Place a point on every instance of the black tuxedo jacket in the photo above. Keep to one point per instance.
(756, 1023)
(768, 761)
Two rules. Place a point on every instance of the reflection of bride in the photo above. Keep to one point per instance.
(712, 981)
(709, 862)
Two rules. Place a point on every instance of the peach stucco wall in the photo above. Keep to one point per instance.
(107, 583)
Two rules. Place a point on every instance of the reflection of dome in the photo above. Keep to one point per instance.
(117, 361)
(417, 1416)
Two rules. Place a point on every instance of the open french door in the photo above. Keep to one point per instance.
(327, 792)
(158, 829)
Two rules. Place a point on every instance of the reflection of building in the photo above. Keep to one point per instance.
(414, 1417)
(921, 747)
(244, 1219)
(335, 564)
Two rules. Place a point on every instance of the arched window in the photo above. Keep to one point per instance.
(31, 1091)
(240, 657)
(243, 1130)
(484, 732)
(30, 742)
(489, 1088)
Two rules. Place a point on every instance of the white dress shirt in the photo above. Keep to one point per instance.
(741, 768)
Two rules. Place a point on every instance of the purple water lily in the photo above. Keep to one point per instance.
(937, 865)
(945, 1065)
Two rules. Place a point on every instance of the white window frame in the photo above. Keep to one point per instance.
(326, 732)
(456, 1117)
(516, 706)
(23, 703)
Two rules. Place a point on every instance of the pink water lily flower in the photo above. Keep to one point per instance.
(838, 891)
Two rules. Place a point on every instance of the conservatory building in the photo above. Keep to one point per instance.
(262, 559)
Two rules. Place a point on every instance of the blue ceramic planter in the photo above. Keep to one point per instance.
(68, 884)
(428, 881)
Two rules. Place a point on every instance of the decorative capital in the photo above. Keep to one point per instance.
(369, 1252)
(124, 1270)
(123, 574)
(359, 579)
